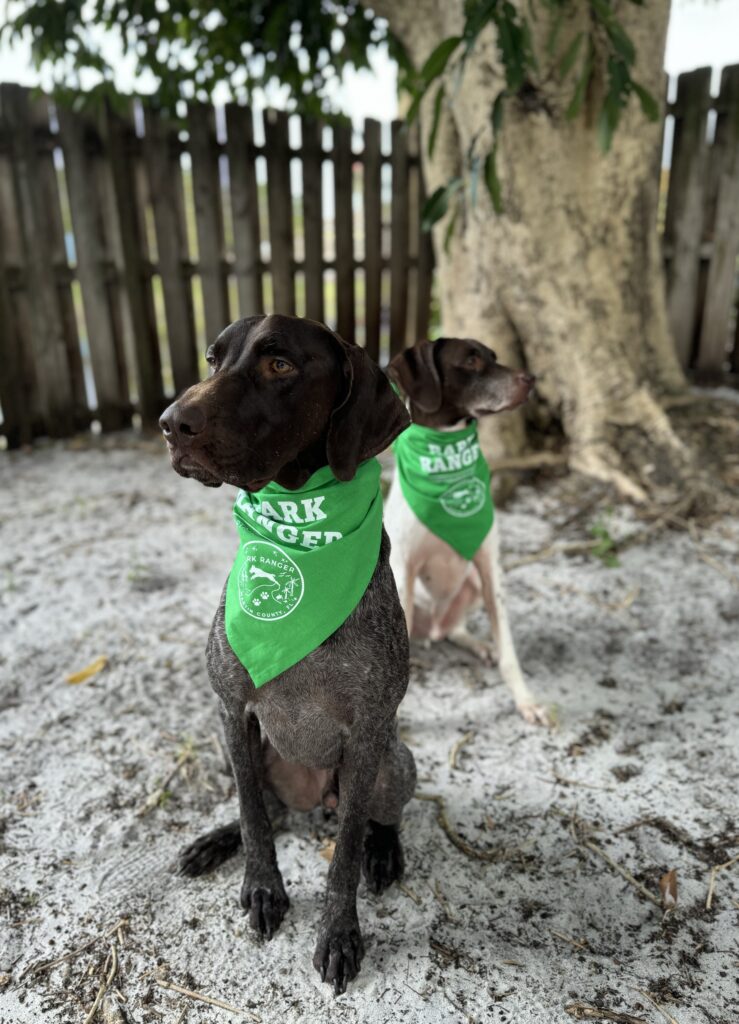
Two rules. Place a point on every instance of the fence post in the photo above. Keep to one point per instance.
(168, 203)
(312, 152)
(209, 218)
(113, 408)
(118, 132)
(244, 208)
(399, 239)
(720, 286)
(343, 185)
(372, 236)
(279, 199)
(51, 368)
(684, 217)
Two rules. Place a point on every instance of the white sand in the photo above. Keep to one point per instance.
(105, 551)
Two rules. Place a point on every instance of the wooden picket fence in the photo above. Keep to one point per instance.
(701, 229)
(127, 242)
(110, 294)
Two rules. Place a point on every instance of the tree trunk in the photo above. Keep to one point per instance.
(568, 278)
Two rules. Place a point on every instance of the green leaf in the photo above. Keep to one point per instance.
(553, 36)
(415, 106)
(438, 60)
(497, 115)
(492, 181)
(648, 103)
(438, 101)
(437, 203)
(570, 56)
(450, 229)
(605, 129)
(621, 42)
(578, 96)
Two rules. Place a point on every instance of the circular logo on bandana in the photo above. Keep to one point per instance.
(464, 498)
(270, 583)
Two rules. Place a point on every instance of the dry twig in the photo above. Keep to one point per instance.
(111, 966)
(622, 871)
(581, 1011)
(712, 881)
(210, 1000)
(566, 938)
(154, 798)
(489, 856)
(655, 1004)
(46, 965)
(461, 742)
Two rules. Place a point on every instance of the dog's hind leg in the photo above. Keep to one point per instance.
(382, 860)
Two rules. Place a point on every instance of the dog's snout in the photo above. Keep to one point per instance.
(182, 423)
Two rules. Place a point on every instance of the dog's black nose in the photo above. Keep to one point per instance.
(182, 423)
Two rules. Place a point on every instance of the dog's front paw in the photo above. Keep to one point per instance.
(382, 862)
(265, 904)
(536, 714)
(339, 953)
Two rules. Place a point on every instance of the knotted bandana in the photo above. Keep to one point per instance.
(304, 562)
(446, 481)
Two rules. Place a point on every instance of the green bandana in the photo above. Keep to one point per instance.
(305, 560)
(446, 481)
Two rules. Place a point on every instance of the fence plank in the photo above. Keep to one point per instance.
(209, 218)
(279, 199)
(312, 146)
(720, 286)
(399, 238)
(684, 217)
(244, 208)
(54, 387)
(112, 399)
(167, 200)
(343, 187)
(118, 133)
(51, 199)
(372, 236)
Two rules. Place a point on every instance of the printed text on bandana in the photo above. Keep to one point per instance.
(278, 517)
(449, 458)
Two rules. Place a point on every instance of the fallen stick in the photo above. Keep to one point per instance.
(107, 981)
(46, 965)
(581, 1011)
(210, 1000)
(590, 845)
(153, 798)
(461, 742)
(655, 1004)
(712, 882)
(566, 938)
(489, 856)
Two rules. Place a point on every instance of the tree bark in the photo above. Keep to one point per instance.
(568, 278)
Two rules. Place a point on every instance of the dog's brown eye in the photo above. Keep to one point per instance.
(280, 367)
(473, 361)
(210, 357)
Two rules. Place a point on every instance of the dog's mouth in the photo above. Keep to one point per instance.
(187, 464)
(519, 397)
(195, 464)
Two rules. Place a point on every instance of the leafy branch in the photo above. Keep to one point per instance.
(605, 37)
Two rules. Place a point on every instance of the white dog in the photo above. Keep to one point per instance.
(439, 514)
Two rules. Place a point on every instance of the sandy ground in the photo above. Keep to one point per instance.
(105, 552)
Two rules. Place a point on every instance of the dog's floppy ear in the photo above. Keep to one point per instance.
(414, 371)
(368, 417)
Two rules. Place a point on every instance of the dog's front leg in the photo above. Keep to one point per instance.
(489, 566)
(263, 893)
(339, 949)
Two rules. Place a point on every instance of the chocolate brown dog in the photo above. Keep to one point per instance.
(286, 398)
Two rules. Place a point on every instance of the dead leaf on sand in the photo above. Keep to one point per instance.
(668, 889)
(88, 671)
(328, 846)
